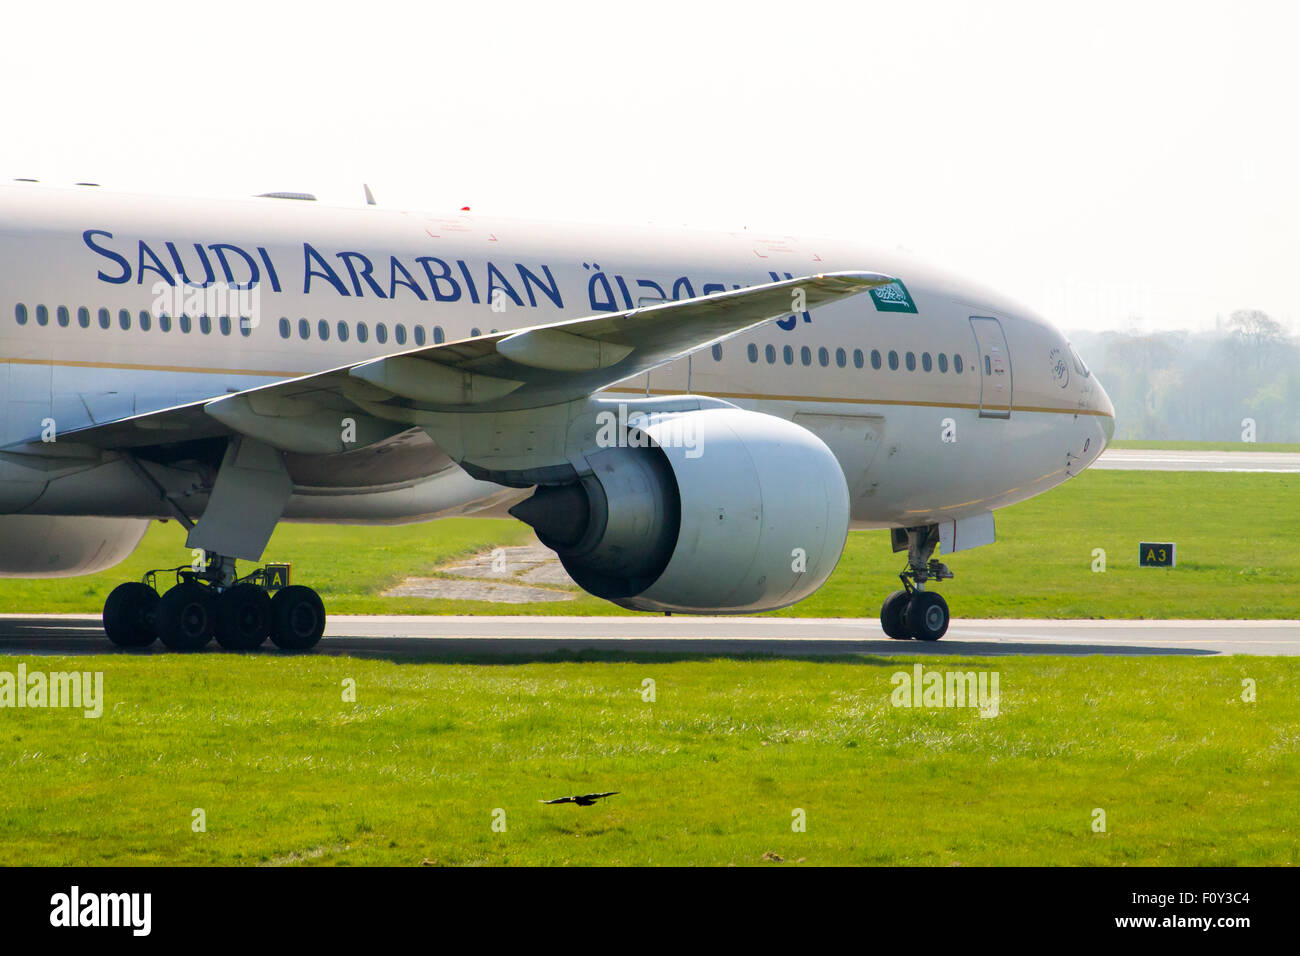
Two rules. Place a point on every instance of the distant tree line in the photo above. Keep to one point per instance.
(1186, 386)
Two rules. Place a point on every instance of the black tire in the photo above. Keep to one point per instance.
(243, 617)
(130, 615)
(927, 616)
(297, 618)
(892, 614)
(185, 617)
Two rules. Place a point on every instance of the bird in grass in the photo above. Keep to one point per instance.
(582, 799)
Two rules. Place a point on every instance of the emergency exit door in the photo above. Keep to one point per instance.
(995, 367)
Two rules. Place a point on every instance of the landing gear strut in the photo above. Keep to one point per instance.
(214, 602)
(914, 611)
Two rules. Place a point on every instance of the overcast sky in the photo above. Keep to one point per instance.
(1103, 162)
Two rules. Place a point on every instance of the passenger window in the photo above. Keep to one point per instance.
(717, 353)
(205, 324)
(857, 358)
(399, 333)
(893, 361)
(770, 354)
(164, 322)
(875, 359)
(474, 333)
(911, 361)
(381, 333)
(105, 320)
(146, 322)
(787, 353)
(943, 362)
(20, 314)
(65, 317)
(362, 332)
(42, 315)
(124, 319)
(285, 328)
(418, 332)
(439, 338)
(186, 323)
(841, 358)
(224, 324)
(83, 317)
(304, 329)
(956, 364)
(823, 356)
(343, 331)
(925, 361)
(805, 355)
(752, 351)
(323, 330)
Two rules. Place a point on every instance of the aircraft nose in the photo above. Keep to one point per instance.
(1108, 412)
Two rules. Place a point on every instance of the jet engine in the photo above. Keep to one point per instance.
(58, 546)
(714, 511)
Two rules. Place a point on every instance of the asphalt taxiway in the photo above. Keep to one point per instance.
(1145, 459)
(417, 636)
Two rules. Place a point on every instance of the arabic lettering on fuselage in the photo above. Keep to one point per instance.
(355, 274)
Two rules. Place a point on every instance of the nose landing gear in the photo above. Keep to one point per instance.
(915, 612)
(213, 602)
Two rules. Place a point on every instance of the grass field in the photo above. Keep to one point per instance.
(710, 772)
(432, 751)
(1238, 538)
(1205, 445)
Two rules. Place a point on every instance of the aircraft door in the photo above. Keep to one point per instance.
(994, 360)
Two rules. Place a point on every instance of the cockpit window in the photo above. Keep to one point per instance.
(1078, 363)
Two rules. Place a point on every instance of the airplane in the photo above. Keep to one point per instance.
(693, 421)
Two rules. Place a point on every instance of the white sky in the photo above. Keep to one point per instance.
(1102, 162)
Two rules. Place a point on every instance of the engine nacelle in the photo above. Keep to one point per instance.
(715, 511)
(59, 546)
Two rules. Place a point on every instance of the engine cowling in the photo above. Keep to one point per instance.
(715, 511)
(62, 546)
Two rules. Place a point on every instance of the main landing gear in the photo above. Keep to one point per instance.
(914, 611)
(239, 612)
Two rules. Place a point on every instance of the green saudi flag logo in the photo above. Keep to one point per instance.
(892, 298)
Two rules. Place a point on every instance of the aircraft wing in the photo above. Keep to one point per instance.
(528, 368)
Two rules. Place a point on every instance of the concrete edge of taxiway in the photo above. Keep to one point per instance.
(415, 636)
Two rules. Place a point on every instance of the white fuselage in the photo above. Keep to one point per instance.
(83, 271)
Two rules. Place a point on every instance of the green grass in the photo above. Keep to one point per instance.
(350, 566)
(709, 773)
(1238, 538)
(1205, 445)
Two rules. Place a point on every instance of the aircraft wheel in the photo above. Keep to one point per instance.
(243, 617)
(892, 616)
(297, 618)
(185, 617)
(130, 615)
(927, 616)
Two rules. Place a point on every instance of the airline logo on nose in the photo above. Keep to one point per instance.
(1060, 371)
(892, 298)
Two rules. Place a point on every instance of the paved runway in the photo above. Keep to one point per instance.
(482, 637)
(1142, 459)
